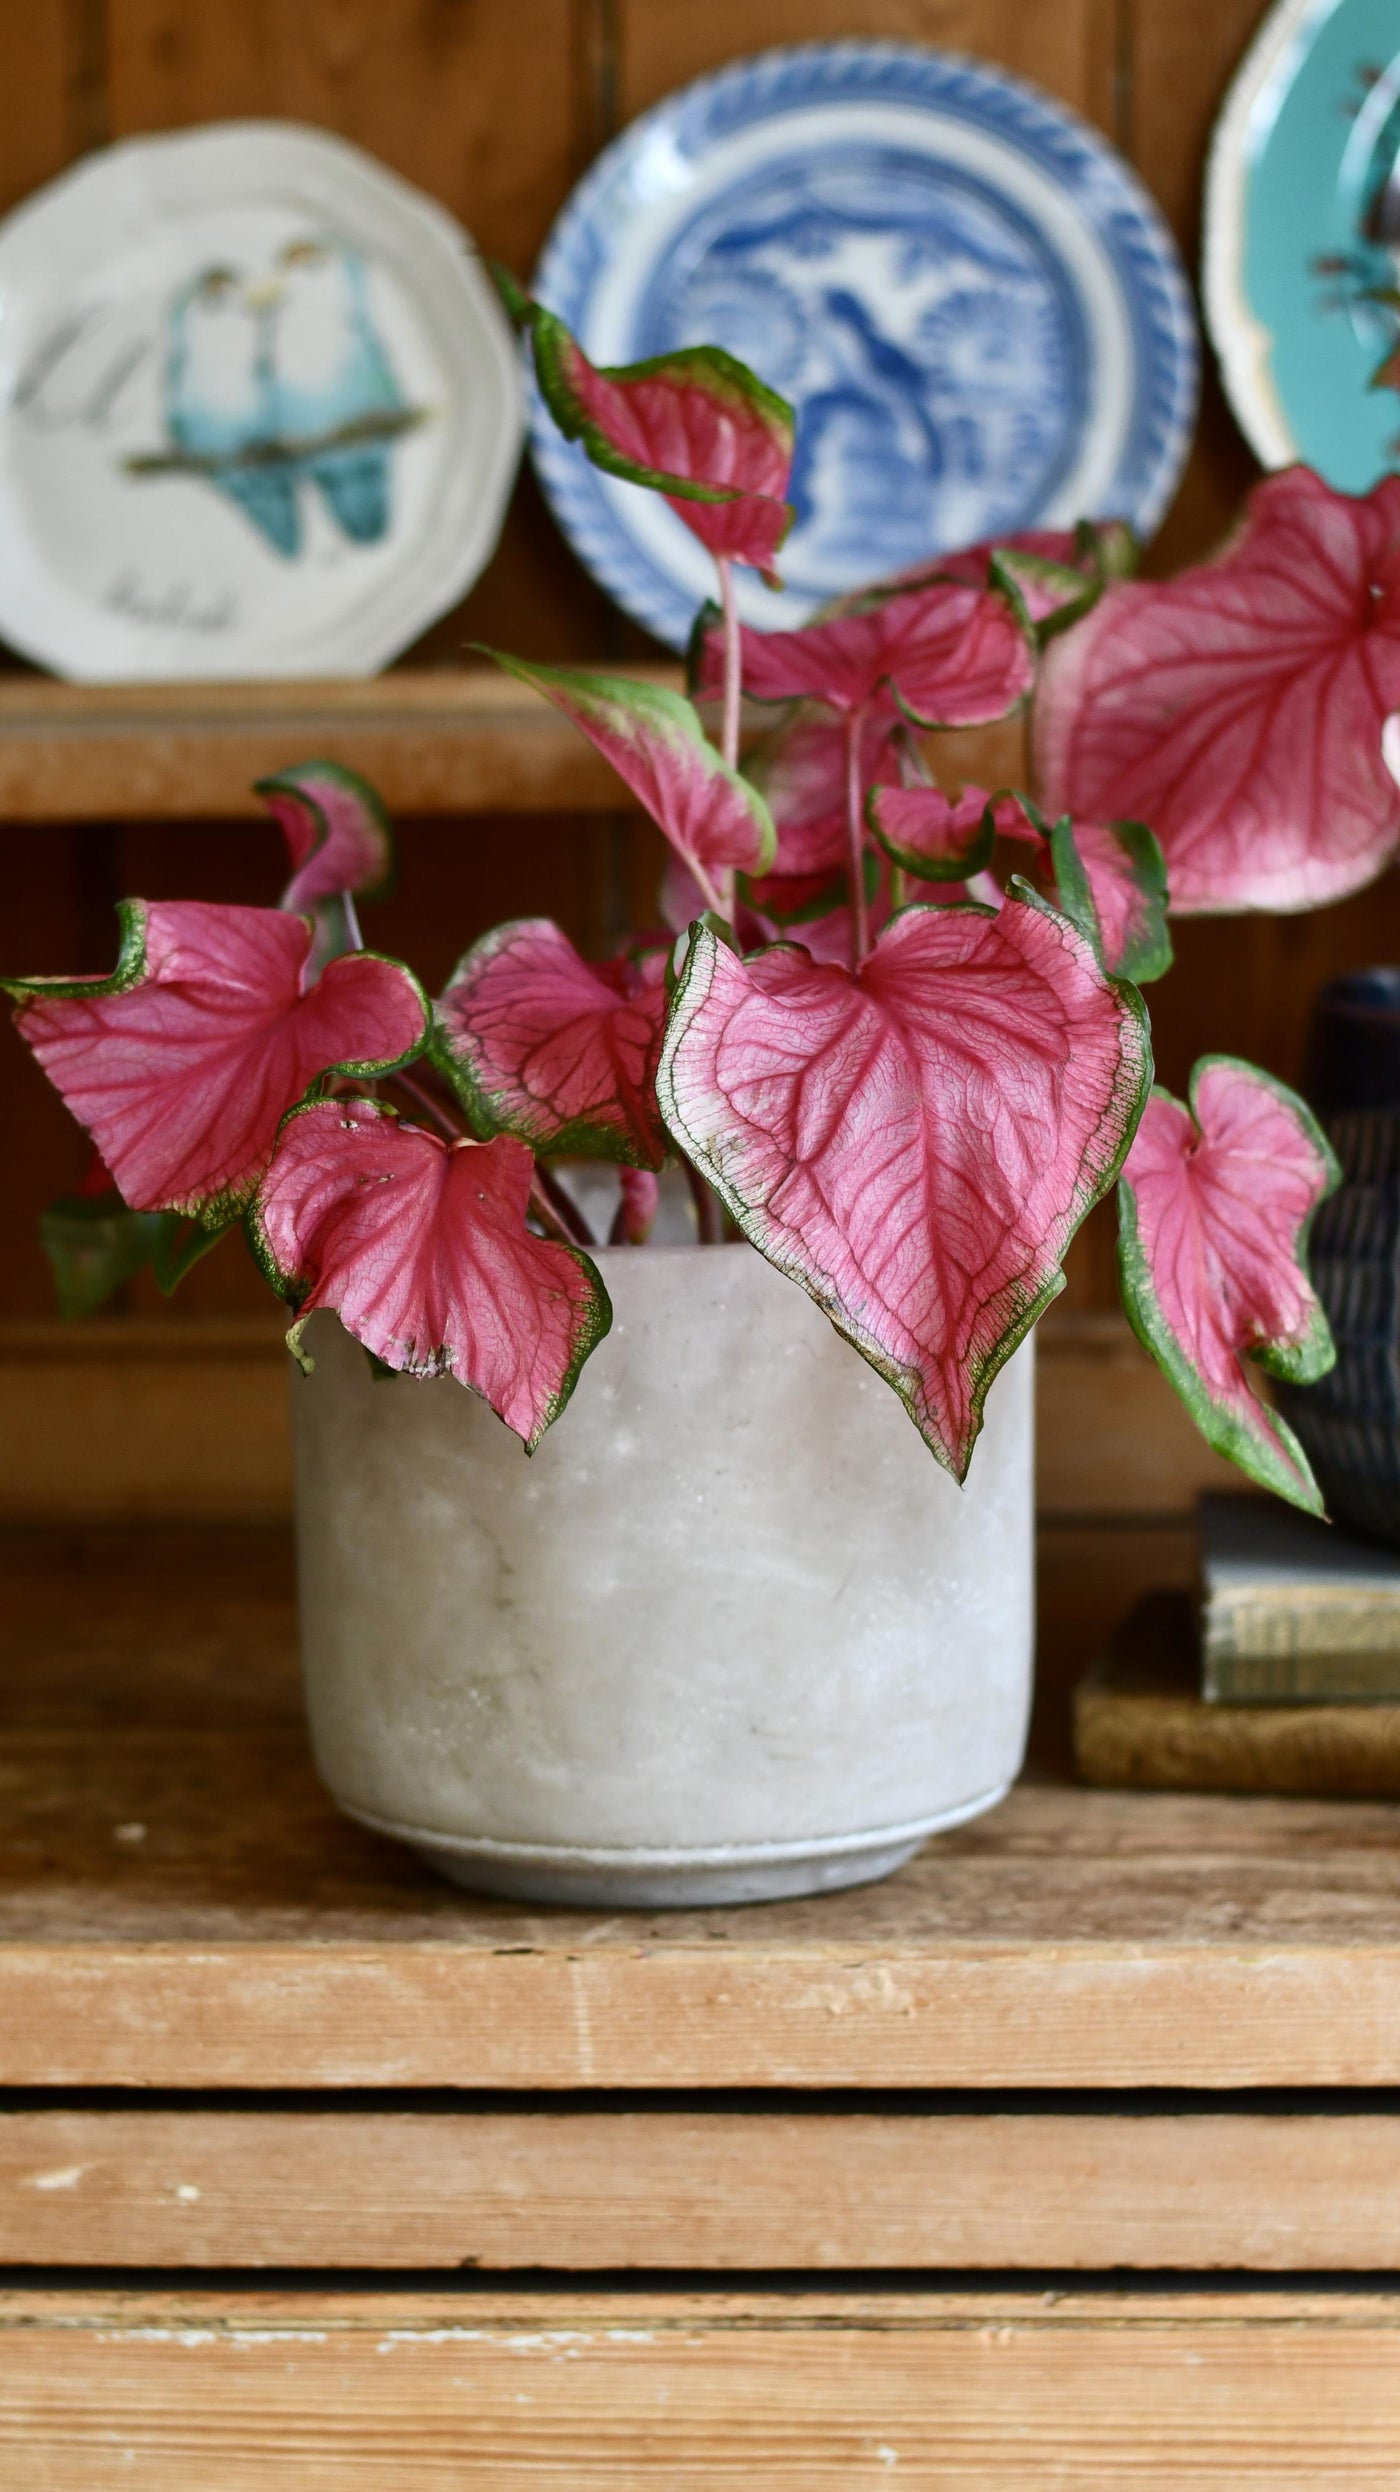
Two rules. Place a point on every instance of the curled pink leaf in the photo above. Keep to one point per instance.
(695, 425)
(182, 1068)
(914, 1144)
(939, 837)
(948, 655)
(1237, 709)
(1214, 1208)
(558, 1050)
(420, 1247)
(337, 832)
(712, 817)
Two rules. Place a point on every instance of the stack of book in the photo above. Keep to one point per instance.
(1282, 1675)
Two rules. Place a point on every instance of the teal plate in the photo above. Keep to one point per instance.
(1303, 232)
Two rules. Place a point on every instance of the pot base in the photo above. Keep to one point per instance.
(648, 1881)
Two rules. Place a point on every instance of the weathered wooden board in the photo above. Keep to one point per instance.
(706, 2190)
(965, 2392)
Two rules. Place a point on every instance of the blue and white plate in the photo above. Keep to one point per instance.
(1303, 234)
(975, 308)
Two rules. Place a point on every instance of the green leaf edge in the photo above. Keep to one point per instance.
(972, 860)
(1148, 957)
(284, 1286)
(1029, 1314)
(485, 1110)
(129, 971)
(1222, 1427)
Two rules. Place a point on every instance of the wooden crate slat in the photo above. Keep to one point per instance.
(943, 2392)
(723, 2190)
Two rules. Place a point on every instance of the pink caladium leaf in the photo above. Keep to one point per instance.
(916, 1143)
(420, 1247)
(941, 838)
(183, 1062)
(1214, 1208)
(714, 819)
(1058, 573)
(800, 769)
(1112, 880)
(337, 832)
(1238, 708)
(948, 655)
(694, 425)
(560, 1051)
(340, 848)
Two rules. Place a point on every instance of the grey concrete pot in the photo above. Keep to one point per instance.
(731, 1634)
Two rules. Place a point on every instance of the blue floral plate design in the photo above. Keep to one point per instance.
(974, 306)
(1303, 235)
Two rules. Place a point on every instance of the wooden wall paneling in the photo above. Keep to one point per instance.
(1179, 58)
(1069, 46)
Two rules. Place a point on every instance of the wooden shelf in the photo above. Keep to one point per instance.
(473, 741)
(180, 1907)
(448, 741)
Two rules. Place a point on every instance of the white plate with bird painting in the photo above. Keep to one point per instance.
(259, 411)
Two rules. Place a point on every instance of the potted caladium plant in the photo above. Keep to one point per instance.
(739, 1629)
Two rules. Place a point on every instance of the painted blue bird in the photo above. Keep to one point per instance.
(219, 398)
(331, 371)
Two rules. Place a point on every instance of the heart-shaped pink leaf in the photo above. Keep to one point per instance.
(949, 655)
(915, 1144)
(694, 425)
(182, 1065)
(1238, 708)
(558, 1050)
(1058, 573)
(942, 838)
(800, 770)
(337, 832)
(713, 818)
(421, 1248)
(1214, 1208)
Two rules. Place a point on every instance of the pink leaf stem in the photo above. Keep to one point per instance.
(855, 834)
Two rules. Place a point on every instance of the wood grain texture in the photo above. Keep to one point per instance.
(181, 1906)
(958, 2392)
(722, 2190)
(171, 1417)
(1068, 46)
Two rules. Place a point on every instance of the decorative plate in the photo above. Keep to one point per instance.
(259, 410)
(974, 306)
(1302, 232)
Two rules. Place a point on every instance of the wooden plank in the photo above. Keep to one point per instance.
(965, 2392)
(180, 1906)
(719, 2191)
(433, 740)
(469, 740)
(167, 1417)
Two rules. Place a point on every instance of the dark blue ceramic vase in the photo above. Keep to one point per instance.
(1349, 1423)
